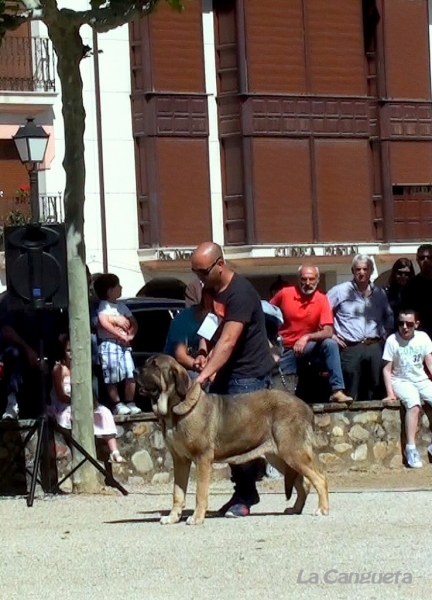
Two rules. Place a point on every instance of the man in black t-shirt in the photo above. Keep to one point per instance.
(417, 294)
(240, 361)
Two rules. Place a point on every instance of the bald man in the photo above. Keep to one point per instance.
(307, 331)
(240, 359)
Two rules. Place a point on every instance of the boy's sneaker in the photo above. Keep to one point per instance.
(11, 411)
(429, 450)
(121, 409)
(413, 458)
(133, 408)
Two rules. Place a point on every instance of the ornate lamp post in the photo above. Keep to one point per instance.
(31, 141)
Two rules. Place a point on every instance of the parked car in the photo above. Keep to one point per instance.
(154, 316)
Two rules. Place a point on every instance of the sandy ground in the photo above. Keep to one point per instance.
(108, 546)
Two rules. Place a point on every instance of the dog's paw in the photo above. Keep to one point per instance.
(192, 520)
(169, 520)
(292, 510)
(321, 512)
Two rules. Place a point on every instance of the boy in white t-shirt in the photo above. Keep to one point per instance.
(116, 329)
(405, 354)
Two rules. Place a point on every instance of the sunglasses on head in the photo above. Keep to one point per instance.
(205, 272)
(409, 324)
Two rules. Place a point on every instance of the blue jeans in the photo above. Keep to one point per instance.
(244, 476)
(241, 385)
(325, 353)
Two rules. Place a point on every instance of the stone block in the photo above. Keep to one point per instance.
(339, 418)
(160, 478)
(321, 440)
(168, 462)
(141, 429)
(142, 462)
(67, 486)
(390, 415)
(380, 450)
(360, 453)
(337, 431)
(396, 462)
(366, 417)
(425, 421)
(328, 459)
(393, 429)
(378, 431)
(341, 448)
(322, 420)
(157, 440)
(358, 433)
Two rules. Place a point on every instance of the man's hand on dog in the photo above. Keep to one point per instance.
(199, 363)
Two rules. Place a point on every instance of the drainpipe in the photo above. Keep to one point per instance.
(100, 152)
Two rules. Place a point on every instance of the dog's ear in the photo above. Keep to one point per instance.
(181, 381)
(189, 402)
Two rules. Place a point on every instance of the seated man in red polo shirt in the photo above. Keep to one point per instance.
(307, 330)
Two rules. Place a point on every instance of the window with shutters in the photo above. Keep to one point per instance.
(412, 207)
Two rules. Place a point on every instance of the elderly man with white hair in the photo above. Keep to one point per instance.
(307, 331)
(362, 320)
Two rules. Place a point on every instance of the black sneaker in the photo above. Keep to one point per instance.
(238, 501)
(238, 510)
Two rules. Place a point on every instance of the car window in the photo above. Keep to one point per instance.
(153, 328)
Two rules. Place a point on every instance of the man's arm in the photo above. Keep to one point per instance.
(388, 316)
(428, 362)
(387, 371)
(222, 351)
(317, 336)
(183, 357)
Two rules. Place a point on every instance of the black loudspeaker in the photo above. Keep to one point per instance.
(36, 266)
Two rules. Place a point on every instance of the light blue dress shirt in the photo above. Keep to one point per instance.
(357, 317)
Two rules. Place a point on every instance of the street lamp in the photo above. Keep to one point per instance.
(31, 141)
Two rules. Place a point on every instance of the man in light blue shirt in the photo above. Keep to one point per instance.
(362, 320)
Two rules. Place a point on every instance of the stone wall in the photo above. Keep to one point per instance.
(359, 436)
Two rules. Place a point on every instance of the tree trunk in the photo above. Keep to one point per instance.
(68, 46)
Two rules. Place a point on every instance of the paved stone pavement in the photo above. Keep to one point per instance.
(82, 547)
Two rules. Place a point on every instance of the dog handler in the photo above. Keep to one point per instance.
(240, 360)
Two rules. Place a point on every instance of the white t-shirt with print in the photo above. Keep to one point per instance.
(407, 356)
(114, 309)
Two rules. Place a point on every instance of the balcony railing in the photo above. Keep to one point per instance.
(15, 210)
(27, 65)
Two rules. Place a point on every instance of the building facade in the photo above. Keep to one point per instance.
(29, 87)
(287, 131)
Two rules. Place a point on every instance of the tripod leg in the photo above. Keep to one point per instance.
(30, 497)
(97, 466)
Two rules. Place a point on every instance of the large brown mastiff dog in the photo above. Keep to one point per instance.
(206, 428)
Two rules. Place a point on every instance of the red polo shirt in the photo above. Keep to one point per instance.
(302, 314)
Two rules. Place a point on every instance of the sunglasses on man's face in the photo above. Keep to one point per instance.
(205, 272)
(423, 257)
(409, 324)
